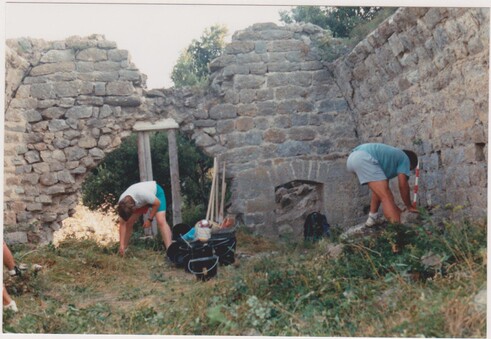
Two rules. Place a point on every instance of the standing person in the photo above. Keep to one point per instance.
(9, 262)
(375, 164)
(136, 201)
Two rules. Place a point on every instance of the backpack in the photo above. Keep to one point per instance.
(315, 227)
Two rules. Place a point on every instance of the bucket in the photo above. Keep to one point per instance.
(203, 263)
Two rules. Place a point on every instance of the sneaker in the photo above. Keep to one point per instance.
(11, 307)
(373, 221)
(15, 272)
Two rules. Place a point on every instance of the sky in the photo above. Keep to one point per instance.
(153, 33)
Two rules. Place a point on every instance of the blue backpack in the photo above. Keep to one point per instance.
(316, 227)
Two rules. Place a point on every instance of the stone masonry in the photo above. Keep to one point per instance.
(421, 81)
(273, 111)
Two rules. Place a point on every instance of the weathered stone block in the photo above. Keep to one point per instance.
(223, 111)
(243, 124)
(274, 135)
(248, 81)
(56, 125)
(124, 101)
(32, 115)
(92, 54)
(119, 88)
(32, 157)
(58, 56)
(239, 47)
(79, 112)
(75, 153)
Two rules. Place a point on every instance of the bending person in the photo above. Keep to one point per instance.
(375, 164)
(136, 201)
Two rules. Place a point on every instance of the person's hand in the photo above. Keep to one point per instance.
(147, 224)
(121, 251)
(412, 209)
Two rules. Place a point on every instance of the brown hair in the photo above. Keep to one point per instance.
(126, 207)
(413, 158)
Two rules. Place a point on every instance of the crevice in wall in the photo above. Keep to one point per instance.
(480, 156)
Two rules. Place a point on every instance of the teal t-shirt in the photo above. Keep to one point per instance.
(392, 160)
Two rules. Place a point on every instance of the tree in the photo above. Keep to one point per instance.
(191, 68)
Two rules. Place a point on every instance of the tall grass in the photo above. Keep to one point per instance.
(409, 281)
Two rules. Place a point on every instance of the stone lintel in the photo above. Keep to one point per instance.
(163, 124)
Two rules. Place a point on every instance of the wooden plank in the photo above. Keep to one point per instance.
(212, 192)
(174, 177)
(163, 124)
(146, 174)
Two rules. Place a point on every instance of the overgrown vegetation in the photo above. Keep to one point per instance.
(409, 281)
(345, 26)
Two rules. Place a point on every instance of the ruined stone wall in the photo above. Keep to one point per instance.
(275, 115)
(68, 104)
(421, 81)
(273, 111)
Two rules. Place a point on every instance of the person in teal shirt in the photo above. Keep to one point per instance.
(375, 164)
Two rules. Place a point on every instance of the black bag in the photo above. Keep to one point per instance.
(315, 227)
(179, 251)
(224, 245)
(200, 258)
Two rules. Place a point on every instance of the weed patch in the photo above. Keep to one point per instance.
(409, 281)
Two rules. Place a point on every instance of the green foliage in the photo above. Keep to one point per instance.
(119, 170)
(341, 21)
(191, 68)
(345, 26)
(377, 287)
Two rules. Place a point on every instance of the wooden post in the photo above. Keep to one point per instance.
(174, 175)
(145, 160)
(146, 174)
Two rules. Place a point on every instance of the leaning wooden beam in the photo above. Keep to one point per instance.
(222, 203)
(212, 191)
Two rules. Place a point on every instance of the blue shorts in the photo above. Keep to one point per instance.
(161, 197)
(365, 166)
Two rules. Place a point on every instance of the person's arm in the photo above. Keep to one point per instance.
(404, 190)
(153, 211)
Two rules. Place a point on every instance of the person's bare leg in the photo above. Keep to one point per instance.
(374, 203)
(122, 235)
(8, 258)
(6, 296)
(381, 188)
(164, 228)
(129, 229)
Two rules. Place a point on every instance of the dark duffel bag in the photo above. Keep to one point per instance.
(203, 263)
(179, 253)
(224, 245)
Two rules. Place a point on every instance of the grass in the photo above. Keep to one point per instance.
(375, 286)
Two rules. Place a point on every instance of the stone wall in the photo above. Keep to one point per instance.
(421, 81)
(68, 104)
(273, 111)
(274, 114)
